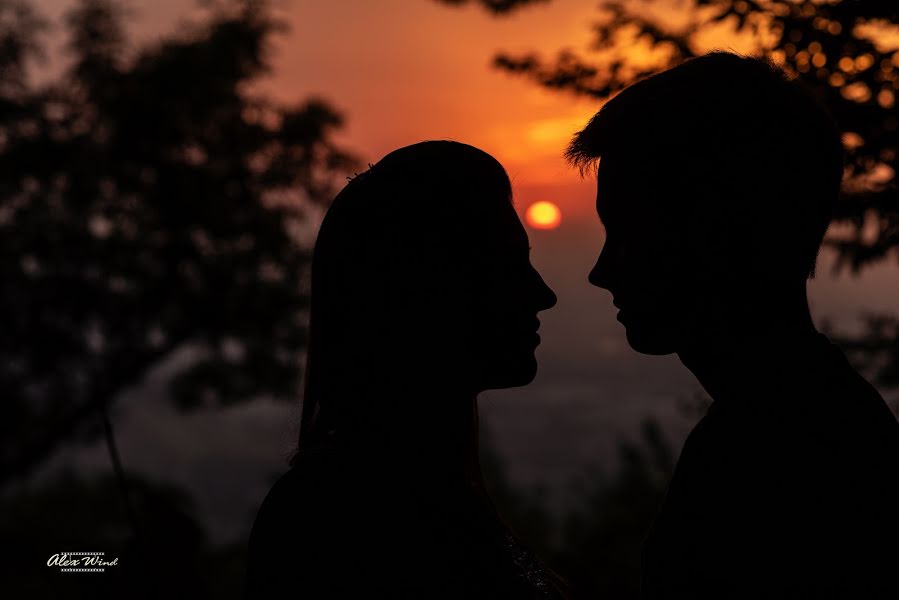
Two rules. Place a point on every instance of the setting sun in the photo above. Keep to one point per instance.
(543, 215)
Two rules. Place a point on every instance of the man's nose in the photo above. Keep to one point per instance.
(601, 274)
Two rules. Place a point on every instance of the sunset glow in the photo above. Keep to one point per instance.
(543, 215)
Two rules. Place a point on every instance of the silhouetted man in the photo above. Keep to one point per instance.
(716, 183)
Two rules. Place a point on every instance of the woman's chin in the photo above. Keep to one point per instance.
(512, 375)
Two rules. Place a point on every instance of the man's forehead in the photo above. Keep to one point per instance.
(615, 174)
(630, 184)
(626, 161)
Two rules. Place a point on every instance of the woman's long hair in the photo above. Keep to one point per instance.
(391, 232)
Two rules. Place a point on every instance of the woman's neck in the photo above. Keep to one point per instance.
(433, 441)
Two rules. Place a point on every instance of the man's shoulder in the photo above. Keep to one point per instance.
(847, 405)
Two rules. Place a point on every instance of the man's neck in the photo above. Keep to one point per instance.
(734, 347)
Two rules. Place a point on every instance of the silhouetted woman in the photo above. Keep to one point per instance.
(423, 295)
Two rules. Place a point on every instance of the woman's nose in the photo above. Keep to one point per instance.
(546, 297)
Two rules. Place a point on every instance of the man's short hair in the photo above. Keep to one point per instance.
(759, 143)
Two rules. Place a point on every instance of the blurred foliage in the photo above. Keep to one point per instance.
(526, 511)
(150, 200)
(593, 541)
(876, 351)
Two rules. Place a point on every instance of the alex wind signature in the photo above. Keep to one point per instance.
(81, 562)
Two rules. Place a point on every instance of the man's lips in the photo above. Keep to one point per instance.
(530, 333)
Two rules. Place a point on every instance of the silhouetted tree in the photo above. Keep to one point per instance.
(150, 201)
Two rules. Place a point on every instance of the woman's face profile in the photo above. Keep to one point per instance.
(506, 295)
(468, 314)
(425, 276)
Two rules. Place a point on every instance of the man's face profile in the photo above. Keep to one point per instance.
(643, 260)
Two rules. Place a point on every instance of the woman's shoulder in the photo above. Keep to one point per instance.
(298, 497)
(295, 530)
(299, 482)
